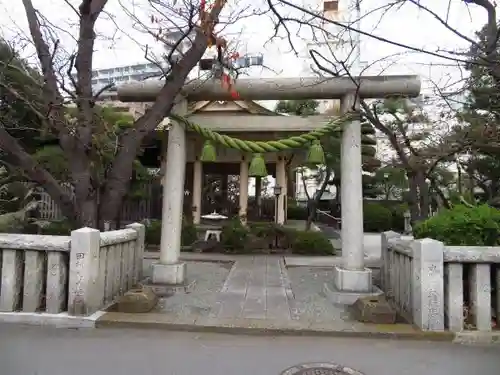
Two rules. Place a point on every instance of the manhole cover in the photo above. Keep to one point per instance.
(320, 369)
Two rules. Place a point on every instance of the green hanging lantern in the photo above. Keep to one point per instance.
(257, 166)
(316, 155)
(208, 152)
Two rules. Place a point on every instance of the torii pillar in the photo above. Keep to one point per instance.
(170, 270)
(352, 276)
(352, 279)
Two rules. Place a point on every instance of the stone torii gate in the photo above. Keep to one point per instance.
(352, 277)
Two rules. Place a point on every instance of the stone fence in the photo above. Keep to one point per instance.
(78, 274)
(440, 287)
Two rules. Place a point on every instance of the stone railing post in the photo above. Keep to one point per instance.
(84, 296)
(428, 284)
(138, 252)
(386, 264)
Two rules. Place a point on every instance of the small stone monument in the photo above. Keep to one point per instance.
(137, 300)
(374, 310)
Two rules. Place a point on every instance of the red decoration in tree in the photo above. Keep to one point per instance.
(207, 25)
(234, 94)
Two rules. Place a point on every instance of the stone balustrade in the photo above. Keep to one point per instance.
(396, 278)
(78, 274)
(441, 287)
(103, 266)
(34, 273)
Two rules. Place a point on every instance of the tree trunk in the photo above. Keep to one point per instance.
(311, 212)
(485, 188)
(313, 203)
(494, 189)
(443, 200)
(119, 176)
(471, 184)
(459, 179)
(413, 198)
(258, 196)
(118, 220)
(291, 182)
(15, 155)
(337, 193)
(88, 211)
(423, 189)
(387, 189)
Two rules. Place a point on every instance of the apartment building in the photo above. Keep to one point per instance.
(123, 74)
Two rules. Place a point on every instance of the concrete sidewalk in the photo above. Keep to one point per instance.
(247, 326)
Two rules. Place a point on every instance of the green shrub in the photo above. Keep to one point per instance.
(153, 232)
(376, 217)
(57, 228)
(32, 228)
(398, 217)
(311, 243)
(268, 235)
(295, 212)
(234, 235)
(461, 225)
(189, 233)
(266, 229)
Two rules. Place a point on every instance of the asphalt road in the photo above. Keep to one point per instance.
(48, 351)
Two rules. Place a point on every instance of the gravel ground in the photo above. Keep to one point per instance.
(209, 278)
(310, 302)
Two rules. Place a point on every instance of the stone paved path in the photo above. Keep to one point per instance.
(256, 288)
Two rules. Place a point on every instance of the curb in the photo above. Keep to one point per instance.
(477, 338)
(102, 319)
(255, 330)
(61, 320)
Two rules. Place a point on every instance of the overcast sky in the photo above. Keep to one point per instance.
(120, 42)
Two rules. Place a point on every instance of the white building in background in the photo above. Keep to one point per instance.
(309, 187)
(141, 71)
(335, 44)
(123, 74)
(176, 44)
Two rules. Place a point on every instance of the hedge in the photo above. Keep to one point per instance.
(461, 225)
(189, 233)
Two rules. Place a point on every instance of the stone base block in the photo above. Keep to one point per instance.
(172, 274)
(138, 300)
(338, 297)
(374, 310)
(168, 290)
(352, 280)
